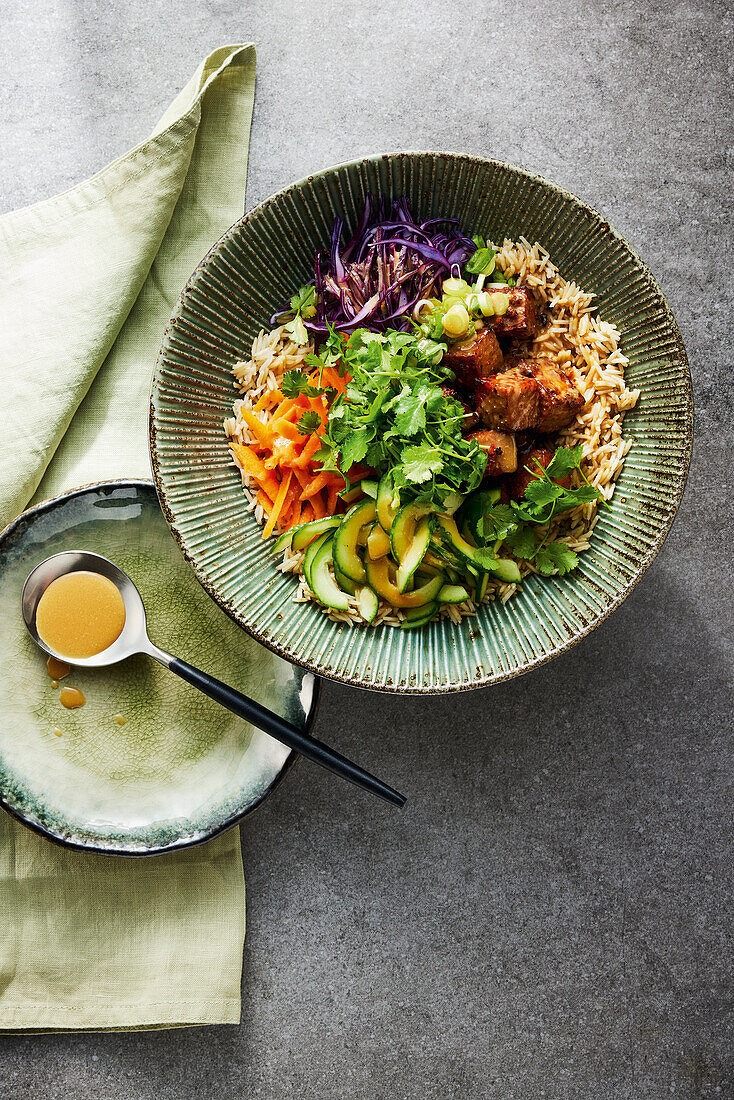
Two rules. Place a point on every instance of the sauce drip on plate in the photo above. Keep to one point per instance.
(72, 698)
(57, 670)
(79, 615)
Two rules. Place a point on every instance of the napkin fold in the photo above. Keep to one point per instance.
(91, 277)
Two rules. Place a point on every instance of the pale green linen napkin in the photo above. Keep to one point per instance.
(89, 280)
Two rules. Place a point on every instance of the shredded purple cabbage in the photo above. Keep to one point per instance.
(389, 264)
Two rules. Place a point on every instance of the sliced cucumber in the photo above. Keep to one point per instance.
(415, 552)
(410, 536)
(388, 502)
(300, 536)
(368, 603)
(321, 582)
(403, 527)
(345, 583)
(419, 616)
(466, 532)
(506, 570)
(413, 613)
(425, 572)
(481, 588)
(452, 593)
(378, 542)
(378, 578)
(369, 487)
(311, 553)
(350, 495)
(503, 568)
(346, 538)
(456, 541)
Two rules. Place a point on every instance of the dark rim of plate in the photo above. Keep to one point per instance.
(284, 651)
(29, 515)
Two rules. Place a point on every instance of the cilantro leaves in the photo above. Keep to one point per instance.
(395, 416)
(309, 422)
(294, 382)
(544, 499)
(420, 463)
(298, 330)
(303, 306)
(304, 301)
(556, 557)
(516, 523)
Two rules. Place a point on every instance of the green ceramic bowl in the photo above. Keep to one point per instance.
(181, 769)
(247, 276)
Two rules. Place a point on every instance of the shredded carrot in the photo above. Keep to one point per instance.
(284, 453)
(286, 406)
(264, 499)
(277, 506)
(301, 476)
(279, 460)
(332, 499)
(315, 486)
(261, 431)
(331, 377)
(319, 508)
(267, 399)
(309, 451)
(288, 429)
(317, 404)
(255, 468)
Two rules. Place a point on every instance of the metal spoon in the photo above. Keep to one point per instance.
(134, 639)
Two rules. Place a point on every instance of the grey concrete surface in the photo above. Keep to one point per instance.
(551, 914)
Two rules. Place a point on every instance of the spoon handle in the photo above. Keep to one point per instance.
(276, 726)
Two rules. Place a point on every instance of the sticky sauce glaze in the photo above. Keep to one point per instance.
(79, 615)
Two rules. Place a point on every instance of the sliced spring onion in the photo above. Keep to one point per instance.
(456, 321)
(486, 304)
(501, 303)
(455, 287)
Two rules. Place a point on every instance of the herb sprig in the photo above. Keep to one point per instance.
(516, 523)
(303, 306)
(396, 418)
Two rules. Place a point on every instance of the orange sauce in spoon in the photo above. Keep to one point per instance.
(80, 614)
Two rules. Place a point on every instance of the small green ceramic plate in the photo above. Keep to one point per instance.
(256, 266)
(181, 769)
